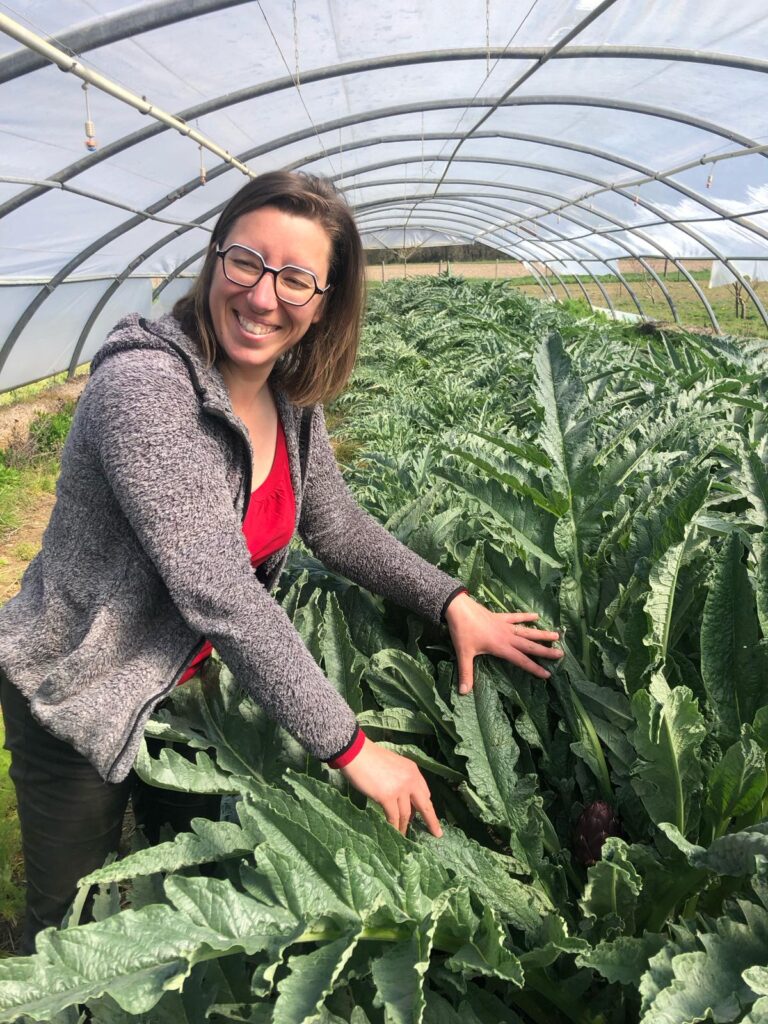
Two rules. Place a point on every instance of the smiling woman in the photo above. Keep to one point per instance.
(197, 451)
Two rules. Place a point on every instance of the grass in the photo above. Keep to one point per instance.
(11, 892)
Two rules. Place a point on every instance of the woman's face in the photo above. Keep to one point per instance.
(253, 327)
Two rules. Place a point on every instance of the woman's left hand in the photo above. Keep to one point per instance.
(476, 630)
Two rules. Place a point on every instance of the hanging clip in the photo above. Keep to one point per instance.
(90, 129)
(711, 177)
(203, 174)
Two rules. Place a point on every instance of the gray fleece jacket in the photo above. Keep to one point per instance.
(144, 557)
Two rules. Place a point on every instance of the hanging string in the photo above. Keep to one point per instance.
(422, 147)
(296, 74)
(341, 155)
(90, 129)
(487, 38)
(203, 175)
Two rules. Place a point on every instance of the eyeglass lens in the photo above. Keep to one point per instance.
(246, 268)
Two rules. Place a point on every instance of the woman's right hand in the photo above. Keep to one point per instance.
(395, 782)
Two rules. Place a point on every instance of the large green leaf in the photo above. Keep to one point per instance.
(736, 784)
(738, 853)
(668, 774)
(398, 680)
(566, 435)
(488, 744)
(311, 980)
(611, 893)
(623, 959)
(136, 956)
(523, 524)
(707, 983)
(208, 841)
(734, 666)
(343, 664)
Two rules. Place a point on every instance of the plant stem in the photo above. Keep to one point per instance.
(603, 778)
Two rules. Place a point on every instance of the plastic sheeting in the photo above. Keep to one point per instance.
(570, 133)
(752, 270)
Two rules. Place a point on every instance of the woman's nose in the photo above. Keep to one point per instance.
(263, 294)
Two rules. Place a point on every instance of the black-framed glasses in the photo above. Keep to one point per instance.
(246, 267)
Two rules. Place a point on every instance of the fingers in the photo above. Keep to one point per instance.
(520, 616)
(536, 650)
(423, 804)
(400, 810)
(465, 665)
(535, 634)
(404, 813)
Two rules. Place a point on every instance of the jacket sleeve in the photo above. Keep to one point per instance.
(350, 541)
(167, 472)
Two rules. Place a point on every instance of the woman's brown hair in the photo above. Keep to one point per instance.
(316, 369)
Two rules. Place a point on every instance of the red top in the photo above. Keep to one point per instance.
(268, 524)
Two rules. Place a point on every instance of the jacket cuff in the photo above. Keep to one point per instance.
(348, 753)
(451, 596)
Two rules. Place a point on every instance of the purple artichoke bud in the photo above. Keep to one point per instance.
(597, 822)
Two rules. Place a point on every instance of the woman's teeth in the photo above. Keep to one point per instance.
(254, 328)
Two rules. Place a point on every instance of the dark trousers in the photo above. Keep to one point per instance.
(71, 820)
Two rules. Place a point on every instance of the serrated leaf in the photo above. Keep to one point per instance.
(612, 890)
(488, 744)
(733, 665)
(343, 663)
(134, 956)
(311, 980)
(736, 784)
(622, 960)
(486, 954)
(662, 584)
(170, 770)
(208, 841)
(667, 777)
(398, 680)
(397, 720)
(738, 853)
(521, 523)
(489, 874)
(399, 972)
(429, 764)
(708, 984)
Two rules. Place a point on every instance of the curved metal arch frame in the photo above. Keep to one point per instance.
(183, 190)
(181, 267)
(377, 115)
(141, 257)
(479, 200)
(340, 123)
(113, 287)
(532, 244)
(600, 154)
(284, 141)
(356, 67)
(566, 238)
(112, 29)
(639, 201)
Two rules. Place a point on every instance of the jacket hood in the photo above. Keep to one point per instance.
(165, 334)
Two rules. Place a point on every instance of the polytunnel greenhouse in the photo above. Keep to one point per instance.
(557, 412)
